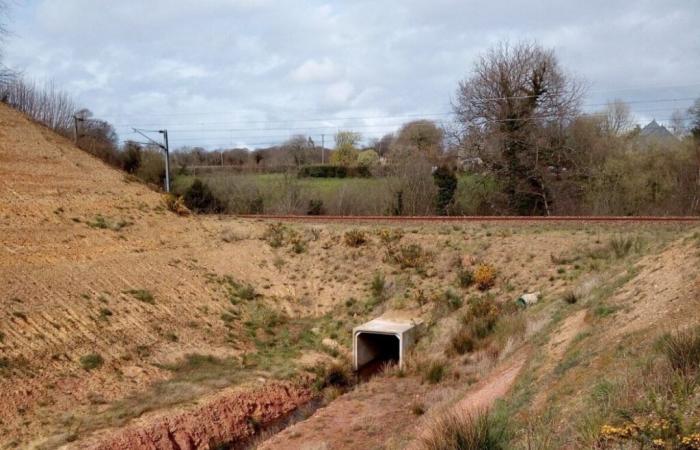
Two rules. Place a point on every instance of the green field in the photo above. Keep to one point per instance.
(287, 194)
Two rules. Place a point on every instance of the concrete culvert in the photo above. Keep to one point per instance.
(381, 341)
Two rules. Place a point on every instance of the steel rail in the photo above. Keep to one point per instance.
(322, 218)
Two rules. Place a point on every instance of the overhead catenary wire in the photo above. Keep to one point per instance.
(597, 91)
(374, 126)
(374, 117)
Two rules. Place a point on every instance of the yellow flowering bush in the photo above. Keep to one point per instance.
(484, 276)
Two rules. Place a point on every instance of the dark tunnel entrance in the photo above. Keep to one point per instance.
(374, 351)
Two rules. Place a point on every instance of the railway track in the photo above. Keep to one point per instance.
(452, 219)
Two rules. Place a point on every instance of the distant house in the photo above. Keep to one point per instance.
(653, 131)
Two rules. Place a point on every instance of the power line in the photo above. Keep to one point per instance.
(626, 89)
(297, 130)
(415, 115)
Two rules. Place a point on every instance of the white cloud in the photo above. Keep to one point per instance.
(339, 93)
(313, 70)
(222, 64)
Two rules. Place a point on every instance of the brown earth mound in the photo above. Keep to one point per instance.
(227, 420)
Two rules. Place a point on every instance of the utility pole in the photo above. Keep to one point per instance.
(165, 148)
(323, 148)
(167, 160)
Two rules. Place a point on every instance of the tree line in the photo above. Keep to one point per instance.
(519, 144)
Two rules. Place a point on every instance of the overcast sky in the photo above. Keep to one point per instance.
(230, 72)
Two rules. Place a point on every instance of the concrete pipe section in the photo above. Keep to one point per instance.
(381, 341)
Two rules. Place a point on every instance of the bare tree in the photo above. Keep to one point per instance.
(298, 149)
(694, 112)
(617, 118)
(383, 145)
(422, 136)
(47, 105)
(677, 125)
(514, 108)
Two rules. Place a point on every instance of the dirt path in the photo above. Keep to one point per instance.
(480, 397)
(361, 419)
(381, 413)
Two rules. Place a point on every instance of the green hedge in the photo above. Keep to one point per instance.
(331, 171)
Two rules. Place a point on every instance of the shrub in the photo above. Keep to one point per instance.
(275, 235)
(355, 238)
(378, 285)
(315, 207)
(105, 313)
(228, 235)
(91, 361)
(418, 409)
(388, 236)
(682, 349)
(570, 297)
(621, 246)
(244, 291)
(465, 277)
(434, 372)
(446, 182)
(460, 431)
(199, 198)
(298, 244)
(408, 256)
(485, 276)
(452, 299)
(176, 204)
(462, 342)
(333, 171)
(335, 374)
(142, 295)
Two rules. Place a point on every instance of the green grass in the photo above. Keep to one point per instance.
(359, 195)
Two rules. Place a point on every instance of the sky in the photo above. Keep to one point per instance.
(224, 73)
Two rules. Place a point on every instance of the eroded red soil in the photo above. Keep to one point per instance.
(228, 419)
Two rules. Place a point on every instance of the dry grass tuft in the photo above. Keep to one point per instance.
(355, 238)
(682, 350)
(460, 431)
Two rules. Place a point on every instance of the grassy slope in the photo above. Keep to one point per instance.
(602, 361)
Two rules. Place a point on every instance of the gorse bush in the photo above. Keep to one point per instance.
(199, 198)
(460, 431)
(485, 276)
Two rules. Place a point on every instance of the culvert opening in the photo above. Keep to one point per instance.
(374, 351)
(382, 341)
